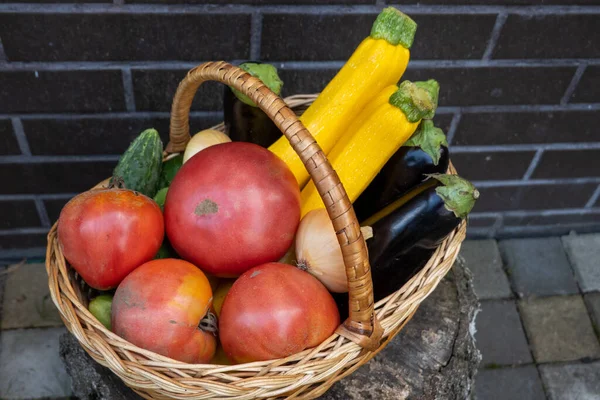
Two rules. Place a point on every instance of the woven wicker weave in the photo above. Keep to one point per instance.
(305, 375)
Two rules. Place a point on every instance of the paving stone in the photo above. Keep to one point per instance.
(27, 301)
(500, 337)
(593, 303)
(483, 259)
(572, 381)
(538, 266)
(509, 384)
(30, 365)
(584, 253)
(559, 328)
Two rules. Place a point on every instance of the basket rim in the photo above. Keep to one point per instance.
(145, 371)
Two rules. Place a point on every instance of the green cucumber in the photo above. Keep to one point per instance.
(140, 166)
(169, 169)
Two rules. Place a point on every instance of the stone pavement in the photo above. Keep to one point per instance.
(537, 329)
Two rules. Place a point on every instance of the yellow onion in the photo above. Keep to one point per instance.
(318, 251)
(202, 140)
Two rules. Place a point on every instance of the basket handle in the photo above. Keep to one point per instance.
(362, 326)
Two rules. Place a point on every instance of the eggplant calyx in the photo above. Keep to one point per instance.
(429, 139)
(417, 100)
(459, 194)
(266, 73)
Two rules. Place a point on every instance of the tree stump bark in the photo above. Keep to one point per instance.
(433, 357)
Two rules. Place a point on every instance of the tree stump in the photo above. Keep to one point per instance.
(433, 357)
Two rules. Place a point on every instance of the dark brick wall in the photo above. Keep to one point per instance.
(520, 92)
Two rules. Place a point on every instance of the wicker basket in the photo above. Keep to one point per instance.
(305, 375)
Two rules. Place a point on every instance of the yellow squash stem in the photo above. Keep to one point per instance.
(375, 135)
(379, 61)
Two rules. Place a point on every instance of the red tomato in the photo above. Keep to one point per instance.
(231, 207)
(107, 233)
(158, 307)
(273, 311)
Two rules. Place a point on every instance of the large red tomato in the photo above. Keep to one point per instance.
(231, 207)
(107, 233)
(159, 306)
(273, 311)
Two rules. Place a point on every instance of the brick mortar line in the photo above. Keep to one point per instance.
(480, 215)
(501, 63)
(295, 64)
(443, 110)
(42, 212)
(23, 231)
(51, 196)
(10, 256)
(102, 115)
(128, 92)
(453, 126)
(538, 213)
(525, 147)
(594, 198)
(533, 164)
(573, 84)
(19, 132)
(2, 52)
(511, 232)
(479, 232)
(294, 9)
(56, 159)
(518, 108)
(498, 223)
(255, 36)
(494, 36)
(537, 182)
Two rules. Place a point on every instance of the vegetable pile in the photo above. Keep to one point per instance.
(226, 253)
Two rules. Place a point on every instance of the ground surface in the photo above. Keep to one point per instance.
(537, 330)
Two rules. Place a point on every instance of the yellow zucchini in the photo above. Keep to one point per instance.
(379, 61)
(375, 135)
